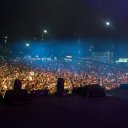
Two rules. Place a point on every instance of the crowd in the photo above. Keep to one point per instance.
(43, 75)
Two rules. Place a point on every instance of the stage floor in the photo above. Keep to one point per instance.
(69, 111)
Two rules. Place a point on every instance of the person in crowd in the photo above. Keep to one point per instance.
(43, 75)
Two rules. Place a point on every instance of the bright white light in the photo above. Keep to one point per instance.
(107, 23)
(45, 31)
(6, 37)
(27, 44)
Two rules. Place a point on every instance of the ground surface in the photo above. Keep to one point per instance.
(69, 111)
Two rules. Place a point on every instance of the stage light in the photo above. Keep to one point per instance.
(27, 44)
(45, 31)
(107, 23)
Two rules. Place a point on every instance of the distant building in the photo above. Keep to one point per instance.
(104, 57)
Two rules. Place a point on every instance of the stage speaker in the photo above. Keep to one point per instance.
(123, 86)
(35, 93)
(60, 86)
(1, 98)
(17, 97)
(78, 90)
(17, 84)
(94, 90)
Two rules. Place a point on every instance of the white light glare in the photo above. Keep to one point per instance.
(27, 44)
(45, 31)
(107, 23)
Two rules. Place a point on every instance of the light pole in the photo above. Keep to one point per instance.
(27, 44)
(109, 31)
(35, 44)
(44, 32)
(6, 46)
(108, 24)
(78, 44)
(27, 48)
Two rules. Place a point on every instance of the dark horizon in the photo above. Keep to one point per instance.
(24, 19)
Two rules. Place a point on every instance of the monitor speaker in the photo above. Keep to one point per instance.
(60, 86)
(36, 93)
(17, 97)
(95, 91)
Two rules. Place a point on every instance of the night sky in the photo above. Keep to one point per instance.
(64, 19)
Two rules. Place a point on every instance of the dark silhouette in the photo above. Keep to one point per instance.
(17, 84)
